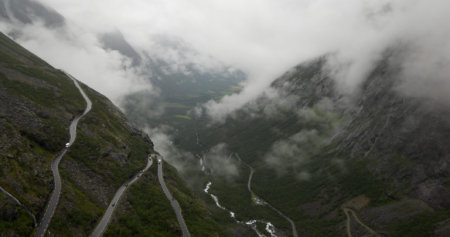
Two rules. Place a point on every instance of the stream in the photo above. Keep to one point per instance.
(270, 228)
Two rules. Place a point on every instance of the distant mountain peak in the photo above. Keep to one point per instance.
(29, 11)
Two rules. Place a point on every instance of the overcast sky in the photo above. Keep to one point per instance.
(264, 38)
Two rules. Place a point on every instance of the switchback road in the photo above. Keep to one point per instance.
(114, 203)
(54, 200)
(176, 207)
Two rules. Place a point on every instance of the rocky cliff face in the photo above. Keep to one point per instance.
(404, 138)
(315, 149)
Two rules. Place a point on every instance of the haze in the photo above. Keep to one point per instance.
(261, 37)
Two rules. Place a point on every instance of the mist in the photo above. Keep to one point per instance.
(216, 161)
(81, 55)
(262, 38)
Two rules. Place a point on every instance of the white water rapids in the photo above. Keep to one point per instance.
(201, 165)
(270, 228)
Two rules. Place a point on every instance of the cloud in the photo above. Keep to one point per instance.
(319, 122)
(142, 106)
(264, 38)
(81, 55)
(303, 175)
(218, 159)
(293, 153)
(183, 161)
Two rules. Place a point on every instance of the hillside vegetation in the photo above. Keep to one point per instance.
(37, 105)
(315, 151)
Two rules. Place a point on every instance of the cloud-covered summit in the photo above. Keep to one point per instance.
(263, 38)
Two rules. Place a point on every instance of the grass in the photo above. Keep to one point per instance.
(80, 214)
(22, 222)
(14, 52)
(194, 212)
(155, 216)
(106, 144)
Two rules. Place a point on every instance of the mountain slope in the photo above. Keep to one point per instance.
(38, 103)
(379, 153)
(29, 11)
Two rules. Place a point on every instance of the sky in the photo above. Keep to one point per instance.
(263, 38)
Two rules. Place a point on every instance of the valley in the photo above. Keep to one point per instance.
(280, 119)
(311, 190)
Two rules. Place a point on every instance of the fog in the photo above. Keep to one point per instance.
(263, 38)
(293, 152)
(80, 54)
(217, 160)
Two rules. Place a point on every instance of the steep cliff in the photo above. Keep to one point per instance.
(37, 104)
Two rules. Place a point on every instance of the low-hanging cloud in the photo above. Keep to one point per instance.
(183, 161)
(264, 38)
(217, 160)
(292, 153)
(81, 55)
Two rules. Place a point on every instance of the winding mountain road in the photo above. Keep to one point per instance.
(114, 202)
(175, 205)
(294, 230)
(54, 200)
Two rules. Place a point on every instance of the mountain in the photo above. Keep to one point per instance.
(321, 157)
(28, 12)
(169, 63)
(37, 105)
(303, 154)
(181, 81)
(175, 67)
(179, 74)
(116, 41)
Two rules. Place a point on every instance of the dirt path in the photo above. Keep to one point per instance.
(294, 230)
(349, 232)
(349, 228)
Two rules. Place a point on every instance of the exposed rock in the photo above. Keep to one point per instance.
(89, 182)
(442, 228)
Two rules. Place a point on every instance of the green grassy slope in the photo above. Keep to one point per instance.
(154, 216)
(37, 104)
